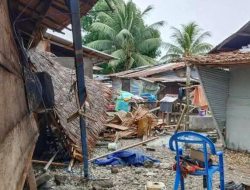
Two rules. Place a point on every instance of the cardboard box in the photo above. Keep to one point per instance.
(198, 155)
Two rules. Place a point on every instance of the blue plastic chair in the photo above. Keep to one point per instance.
(195, 138)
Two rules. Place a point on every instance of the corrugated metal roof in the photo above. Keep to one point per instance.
(122, 73)
(169, 79)
(69, 45)
(154, 70)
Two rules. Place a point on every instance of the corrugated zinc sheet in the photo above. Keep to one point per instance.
(216, 86)
(155, 70)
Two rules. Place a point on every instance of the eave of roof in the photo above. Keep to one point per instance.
(69, 45)
(222, 59)
(122, 73)
(57, 15)
(168, 79)
(236, 41)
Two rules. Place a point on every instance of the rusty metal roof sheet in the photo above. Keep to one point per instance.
(168, 79)
(122, 73)
(222, 59)
(154, 70)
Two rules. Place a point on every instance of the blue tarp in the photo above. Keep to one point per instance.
(126, 158)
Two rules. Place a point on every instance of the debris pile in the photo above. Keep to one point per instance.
(138, 124)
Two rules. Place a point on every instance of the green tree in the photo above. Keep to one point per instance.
(124, 34)
(187, 41)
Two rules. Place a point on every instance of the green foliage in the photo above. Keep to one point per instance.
(123, 34)
(187, 41)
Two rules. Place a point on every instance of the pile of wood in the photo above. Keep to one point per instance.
(137, 124)
(98, 98)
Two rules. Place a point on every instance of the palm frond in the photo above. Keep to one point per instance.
(201, 38)
(147, 10)
(140, 60)
(201, 49)
(104, 28)
(157, 25)
(101, 45)
(149, 44)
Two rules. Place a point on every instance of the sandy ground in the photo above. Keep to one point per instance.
(237, 169)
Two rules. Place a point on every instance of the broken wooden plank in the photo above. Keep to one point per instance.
(31, 180)
(125, 148)
(77, 114)
(71, 164)
(119, 127)
(50, 161)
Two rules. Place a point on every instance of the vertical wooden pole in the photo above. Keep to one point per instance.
(188, 75)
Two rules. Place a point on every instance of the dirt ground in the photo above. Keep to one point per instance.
(237, 169)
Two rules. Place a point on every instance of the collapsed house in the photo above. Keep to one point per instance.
(224, 75)
(98, 98)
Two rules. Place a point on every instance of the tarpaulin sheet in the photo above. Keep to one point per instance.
(199, 98)
(125, 158)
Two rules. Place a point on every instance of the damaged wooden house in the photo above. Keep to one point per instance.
(23, 90)
(160, 79)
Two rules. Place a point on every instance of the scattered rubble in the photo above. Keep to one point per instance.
(139, 123)
(135, 178)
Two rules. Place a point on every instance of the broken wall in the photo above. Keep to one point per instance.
(18, 132)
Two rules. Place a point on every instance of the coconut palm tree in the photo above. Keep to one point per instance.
(123, 34)
(187, 41)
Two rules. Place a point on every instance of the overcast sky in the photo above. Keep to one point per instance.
(221, 17)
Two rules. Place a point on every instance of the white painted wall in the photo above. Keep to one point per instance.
(69, 62)
(238, 109)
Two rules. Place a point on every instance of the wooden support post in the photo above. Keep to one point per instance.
(188, 75)
(77, 41)
(31, 180)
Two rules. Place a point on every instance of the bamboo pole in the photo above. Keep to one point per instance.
(45, 162)
(188, 75)
(125, 148)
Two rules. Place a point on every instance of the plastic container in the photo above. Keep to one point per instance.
(155, 186)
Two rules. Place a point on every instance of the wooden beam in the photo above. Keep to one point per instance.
(31, 180)
(39, 21)
(244, 34)
(52, 163)
(44, 11)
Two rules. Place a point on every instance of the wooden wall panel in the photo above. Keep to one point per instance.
(18, 130)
